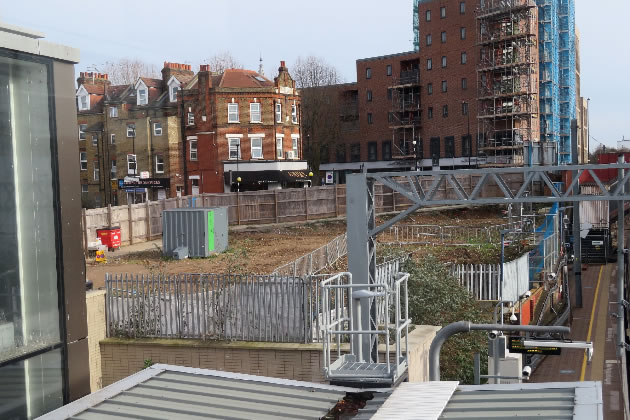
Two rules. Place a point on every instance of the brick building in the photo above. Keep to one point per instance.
(129, 132)
(239, 124)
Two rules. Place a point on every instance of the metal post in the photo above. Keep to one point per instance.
(621, 334)
(577, 240)
(361, 256)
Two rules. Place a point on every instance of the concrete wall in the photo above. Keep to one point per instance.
(123, 357)
(97, 329)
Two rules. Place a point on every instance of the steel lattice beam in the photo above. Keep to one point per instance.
(362, 230)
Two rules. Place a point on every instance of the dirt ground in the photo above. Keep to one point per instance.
(264, 249)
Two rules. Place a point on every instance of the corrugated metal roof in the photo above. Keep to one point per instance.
(552, 400)
(174, 392)
(417, 401)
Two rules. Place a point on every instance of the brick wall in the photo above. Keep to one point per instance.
(95, 302)
(303, 362)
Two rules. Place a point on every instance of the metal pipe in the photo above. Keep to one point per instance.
(496, 307)
(467, 326)
(577, 241)
(621, 334)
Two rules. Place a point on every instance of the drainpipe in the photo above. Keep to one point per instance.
(467, 326)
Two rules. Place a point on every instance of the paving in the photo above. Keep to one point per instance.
(595, 322)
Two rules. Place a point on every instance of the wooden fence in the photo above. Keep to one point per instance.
(143, 222)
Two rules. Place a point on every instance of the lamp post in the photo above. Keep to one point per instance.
(310, 178)
(415, 154)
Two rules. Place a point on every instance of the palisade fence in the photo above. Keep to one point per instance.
(266, 308)
(143, 222)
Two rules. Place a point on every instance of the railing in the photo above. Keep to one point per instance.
(447, 235)
(314, 262)
(341, 303)
(210, 306)
(481, 280)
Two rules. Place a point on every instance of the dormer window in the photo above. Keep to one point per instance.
(173, 86)
(142, 93)
(142, 97)
(83, 99)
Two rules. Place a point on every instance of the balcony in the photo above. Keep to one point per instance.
(407, 79)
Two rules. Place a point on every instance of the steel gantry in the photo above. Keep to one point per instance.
(421, 189)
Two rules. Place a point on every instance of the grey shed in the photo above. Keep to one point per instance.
(203, 231)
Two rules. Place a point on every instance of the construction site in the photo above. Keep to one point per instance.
(507, 80)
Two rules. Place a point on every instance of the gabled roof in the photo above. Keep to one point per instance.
(92, 89)
(238, 78)
(155, 83)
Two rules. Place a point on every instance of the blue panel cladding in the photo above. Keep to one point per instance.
(416, 26)
(549, 58)
(567, 77)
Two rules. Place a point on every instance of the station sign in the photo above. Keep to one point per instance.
(516, 345)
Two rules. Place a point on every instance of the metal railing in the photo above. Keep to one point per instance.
(210, 306)
(317, 260)
(447, 235)
(342, 302)
(481, 280)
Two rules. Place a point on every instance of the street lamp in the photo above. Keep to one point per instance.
(310, 178)
(415, 154)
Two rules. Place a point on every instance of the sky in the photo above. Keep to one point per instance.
(338, 31)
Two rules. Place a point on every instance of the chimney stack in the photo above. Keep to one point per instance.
(93, 78)
(176, 69)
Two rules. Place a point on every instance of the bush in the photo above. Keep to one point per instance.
(436, 298)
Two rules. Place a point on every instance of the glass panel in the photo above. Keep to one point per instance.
(29, 305)
(31, 387)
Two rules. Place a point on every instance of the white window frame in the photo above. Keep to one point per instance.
(443, 61)
(462, 33)
(193, 151)
(233, 112)
(429, 40)
(84, 102)
(173, 86)
(113, 112)
(462, 8)
(132, 159)
(113, 169)
(255, 116)
(131, 130)
(190, 120)
(157, 131)
(159, 163)
(83, 160)
(464, 58)
(443, 12)
(234, 142)
(112, 138)
(294, 118)
(427, 16)
(256, 145)
(279, 152)
(295, 146)
(429, 64)
(143, 96)
(278, 111)
(97, 171)
(82, 129)
(84, 189)
(94, 140)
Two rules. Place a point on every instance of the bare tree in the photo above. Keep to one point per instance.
(126, 70)
(322, 108)
(222, 61)
(313, 72)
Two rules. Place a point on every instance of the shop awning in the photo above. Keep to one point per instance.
(265, 177)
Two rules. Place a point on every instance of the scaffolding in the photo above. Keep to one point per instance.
(556, 27)
(405, 114)
(507, 80)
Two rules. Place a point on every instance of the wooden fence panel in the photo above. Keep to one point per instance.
(155, 214)
(139, 222)
(320, 202)
(291, 205)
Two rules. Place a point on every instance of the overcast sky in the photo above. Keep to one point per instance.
(340, 31)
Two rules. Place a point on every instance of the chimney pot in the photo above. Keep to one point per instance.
(282, 64)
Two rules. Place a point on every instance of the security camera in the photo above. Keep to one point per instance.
(527, 371)
(493, 334)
